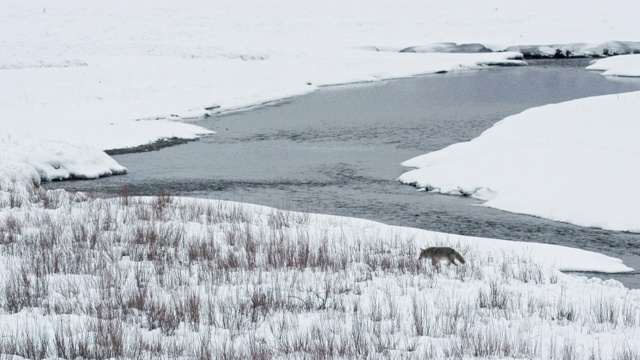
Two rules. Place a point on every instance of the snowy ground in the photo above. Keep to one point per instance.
(569, 162)
(164, 277)
(119, 74)
(624, 66)
(130, 277)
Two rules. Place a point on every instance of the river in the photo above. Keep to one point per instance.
(337, 151)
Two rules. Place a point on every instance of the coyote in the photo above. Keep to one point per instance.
(437, 254)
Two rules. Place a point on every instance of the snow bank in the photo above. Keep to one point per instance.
(448, 48)
(626, 66)
(574, 162)
(54, 160)
(556, 256)
(606, 48)
(560, 257)
(131, 101)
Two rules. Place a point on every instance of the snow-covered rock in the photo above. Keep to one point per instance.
(606, 48)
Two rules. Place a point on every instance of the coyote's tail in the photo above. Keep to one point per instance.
(458, 257)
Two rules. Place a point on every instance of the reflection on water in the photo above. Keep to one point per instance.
(338, 150)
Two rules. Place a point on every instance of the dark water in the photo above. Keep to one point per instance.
(338, 150)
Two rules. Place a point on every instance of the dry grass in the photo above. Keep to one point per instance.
(130, 277)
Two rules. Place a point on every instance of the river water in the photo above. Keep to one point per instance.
(337, 151)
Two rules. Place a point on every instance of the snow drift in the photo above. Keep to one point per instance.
(575, 162)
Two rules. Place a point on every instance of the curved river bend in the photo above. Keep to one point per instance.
(338, 150)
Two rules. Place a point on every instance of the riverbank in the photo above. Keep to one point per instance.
(153, 146)
(145, 276)
(564, 162)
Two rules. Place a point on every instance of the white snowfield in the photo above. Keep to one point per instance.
(120, 74)
(168, 277)
(575, 162)
(624, 66)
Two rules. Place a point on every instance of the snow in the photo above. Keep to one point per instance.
(55, 160)
(597, 49)
(184, 277)
(574, 162)
(606, 48)
(561, 257)
(77, 78)
(111, 76)
(625, 66)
